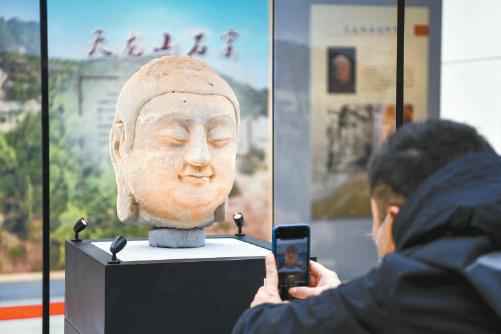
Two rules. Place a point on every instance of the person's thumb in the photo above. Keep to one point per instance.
(303, 292)
(271, 280)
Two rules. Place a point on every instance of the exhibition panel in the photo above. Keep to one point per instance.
(334, 93)
(334, 103)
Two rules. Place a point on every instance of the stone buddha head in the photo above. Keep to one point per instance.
(173, 146)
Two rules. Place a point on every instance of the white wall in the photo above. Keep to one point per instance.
(471, 65)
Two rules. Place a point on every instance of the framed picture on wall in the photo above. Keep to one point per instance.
(342, 69)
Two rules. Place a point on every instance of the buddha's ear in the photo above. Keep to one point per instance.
(117, 141)
(127, 208)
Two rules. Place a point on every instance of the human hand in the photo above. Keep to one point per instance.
(321, 279)
(268, 293)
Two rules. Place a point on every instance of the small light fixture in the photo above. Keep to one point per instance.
(238, 219)
(79, 226)
(116, 246)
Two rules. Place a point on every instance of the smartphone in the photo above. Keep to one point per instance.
(291, 247)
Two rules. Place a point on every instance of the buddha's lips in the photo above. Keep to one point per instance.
(197, 179)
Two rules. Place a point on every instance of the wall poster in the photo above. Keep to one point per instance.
(353, 64)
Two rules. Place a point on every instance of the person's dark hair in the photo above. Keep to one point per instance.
(415, 152)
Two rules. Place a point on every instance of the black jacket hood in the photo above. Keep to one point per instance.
(453, 221)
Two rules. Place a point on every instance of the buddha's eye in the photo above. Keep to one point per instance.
(174, 135)
(220, 136)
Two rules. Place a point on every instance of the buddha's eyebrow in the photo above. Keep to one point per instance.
(181, 118)
(183, 122)
(186, 119)
(220, 120)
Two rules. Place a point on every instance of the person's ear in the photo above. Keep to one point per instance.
(391, 216)
(393, 211)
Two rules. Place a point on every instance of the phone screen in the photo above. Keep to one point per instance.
(292, 262)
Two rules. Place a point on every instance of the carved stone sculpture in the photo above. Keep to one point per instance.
(173, 146)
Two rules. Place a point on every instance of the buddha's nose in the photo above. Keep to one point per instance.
(198, 150)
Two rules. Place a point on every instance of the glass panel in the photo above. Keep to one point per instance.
(334, 103)
(91, 58)
(20, 167)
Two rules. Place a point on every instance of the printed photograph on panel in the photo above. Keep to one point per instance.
(342, 70)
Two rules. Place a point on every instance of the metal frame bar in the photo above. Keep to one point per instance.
(399, 103)
(45, 167)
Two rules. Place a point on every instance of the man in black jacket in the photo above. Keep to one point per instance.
(436, 202)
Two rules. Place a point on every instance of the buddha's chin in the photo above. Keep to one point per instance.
(198, 213)
(195, 197)
(193, 210)
(195, 218)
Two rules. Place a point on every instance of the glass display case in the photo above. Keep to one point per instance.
(316, 85)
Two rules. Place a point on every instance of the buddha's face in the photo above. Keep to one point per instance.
(182, 163)
(291, 258)
(343, 69)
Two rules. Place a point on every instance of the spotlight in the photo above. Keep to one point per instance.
(79, 226)
(238, 219)
(116, 246)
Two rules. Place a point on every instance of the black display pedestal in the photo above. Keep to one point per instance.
(190, 295)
